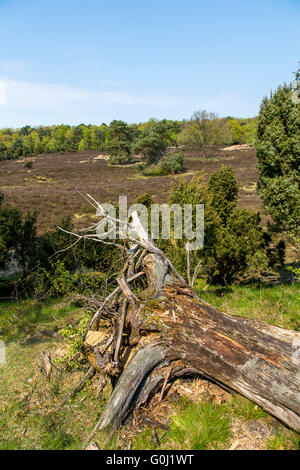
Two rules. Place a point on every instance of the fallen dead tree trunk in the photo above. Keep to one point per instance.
(166, 331)
(260, 361)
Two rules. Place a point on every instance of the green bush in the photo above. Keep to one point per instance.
(120, 159)
(57, 280)
(296, 268)
(170, 164)
(91, 255)
(146, 199)
(18, 239)
(28, 165)
(278, 153)
(154, 139)
(223, 188)
(153, 170)
(235, 247)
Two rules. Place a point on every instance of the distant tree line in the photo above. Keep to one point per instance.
(121, 140)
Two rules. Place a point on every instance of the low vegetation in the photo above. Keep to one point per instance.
(236, 247)
(169, 164)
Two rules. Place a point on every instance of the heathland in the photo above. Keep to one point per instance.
(51, 283)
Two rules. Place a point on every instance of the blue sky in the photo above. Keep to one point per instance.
(94, 61)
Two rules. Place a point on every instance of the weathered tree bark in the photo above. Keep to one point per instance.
(260, 361)
(166, 331)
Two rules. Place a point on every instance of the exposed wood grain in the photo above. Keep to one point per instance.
(129, 384)
(260, 361)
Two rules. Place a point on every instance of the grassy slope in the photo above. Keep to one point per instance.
(18, 320)
(278, 304)
(212, 419)
(27, 399)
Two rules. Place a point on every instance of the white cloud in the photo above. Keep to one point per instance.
(30, 95)
(38, 95)
(41, 103)
(12, 66)
(57, 103)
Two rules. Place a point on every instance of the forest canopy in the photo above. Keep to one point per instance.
(120, 139)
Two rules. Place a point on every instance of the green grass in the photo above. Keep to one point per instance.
(206, 425)
(245, 409)
(38, 431)
(28, 419)
(27, 400)
(285, 440)
(199, 426)
(19, 319)
(278, 304)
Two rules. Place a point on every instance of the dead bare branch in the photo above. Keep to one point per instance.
(120, 330)
(111, 295)
(91, 371)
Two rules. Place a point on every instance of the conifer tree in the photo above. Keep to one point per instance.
(278, 152)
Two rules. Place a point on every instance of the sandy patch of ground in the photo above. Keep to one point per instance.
(101, 157)
(237, 147)
(251, 187)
